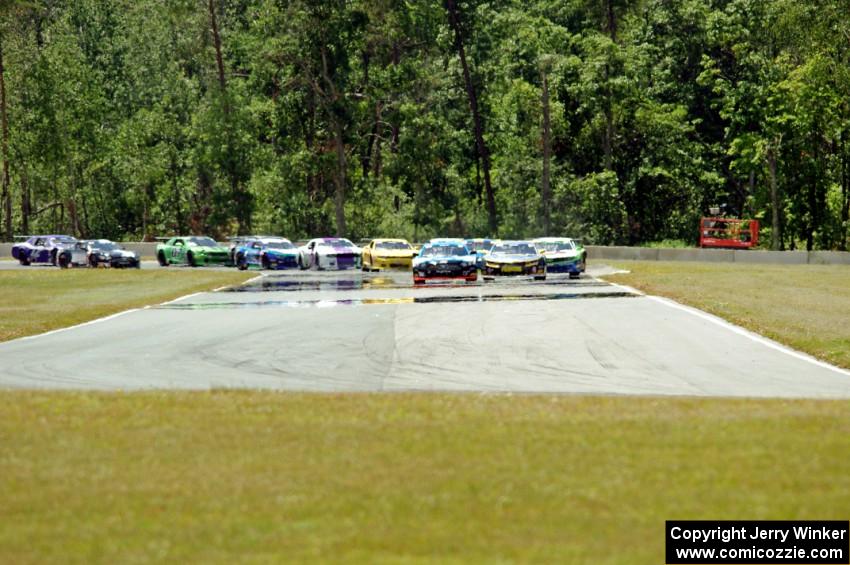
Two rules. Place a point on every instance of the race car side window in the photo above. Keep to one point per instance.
(39, 242)
(311, 246)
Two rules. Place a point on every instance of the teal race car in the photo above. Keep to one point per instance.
(563, 255)
(192, 250)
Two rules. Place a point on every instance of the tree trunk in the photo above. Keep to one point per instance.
(845, 198)
(775, 233)
(610, 20)
(608, 142)
(339, 178)
(26, 204)
(4, 147)
(478, 124)
(222, 81)
(546, 190)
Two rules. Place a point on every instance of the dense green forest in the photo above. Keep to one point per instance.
(619, 121)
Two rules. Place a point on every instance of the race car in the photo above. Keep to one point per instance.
(388, 254)
(239, 240)
(105, 253)
(41, 248)
(336, 253)
(563, 255)
(191, 250)
(266, 252)
(444, 261)
(481, 247)
(514, 258)
(75, 255)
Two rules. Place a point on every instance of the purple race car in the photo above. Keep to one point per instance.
(336, 253)
(42, 248)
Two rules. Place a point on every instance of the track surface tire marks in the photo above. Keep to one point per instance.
(319, 342)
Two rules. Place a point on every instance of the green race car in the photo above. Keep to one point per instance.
(193, 251)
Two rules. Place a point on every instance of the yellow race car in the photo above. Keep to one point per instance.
(382, 254)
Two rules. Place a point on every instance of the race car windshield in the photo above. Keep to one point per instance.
(203, 241)
(109, 246)
(514, 249)
(336, 243)
(395, 245)
(444, 251)
(556, 246)
(279, 245)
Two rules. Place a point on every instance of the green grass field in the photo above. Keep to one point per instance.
(804, 306)
(264, 477)
(43, 299)
(228, 477)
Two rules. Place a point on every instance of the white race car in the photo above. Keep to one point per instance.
(334, 253)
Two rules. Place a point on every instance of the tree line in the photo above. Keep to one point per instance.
(619, 121)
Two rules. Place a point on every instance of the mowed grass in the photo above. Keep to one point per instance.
(227, 477)
(804, 306)
(42, 299)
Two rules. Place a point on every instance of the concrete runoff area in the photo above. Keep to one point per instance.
(351, 331)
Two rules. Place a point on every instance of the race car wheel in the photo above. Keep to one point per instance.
(318, 264)
(93, 261)
(160, 258)
(575, 275)
(301, 263)
(63, 261)
(24, 261)
(265, 262)
(540, 278)
(190, 258)
(53, 257)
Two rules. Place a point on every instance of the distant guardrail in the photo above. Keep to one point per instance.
(614, 253)
(718, 255)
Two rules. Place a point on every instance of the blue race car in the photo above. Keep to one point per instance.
(42, 248)
(266, 253)
(446, 260)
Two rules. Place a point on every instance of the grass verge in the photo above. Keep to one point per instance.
(804, 306)
(228, 477)
(43, 299)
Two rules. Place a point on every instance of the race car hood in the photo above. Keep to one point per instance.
(512, 258)
(282, 252)
(561, 254)
(403, 253)
(216, 249)
(338, 250)
(446, 259)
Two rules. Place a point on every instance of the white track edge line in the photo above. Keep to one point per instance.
(767, 342)
(112, 316)
(76, 326)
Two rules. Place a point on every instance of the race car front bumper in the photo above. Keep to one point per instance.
(445, 272)
(513, 269)
(392, 263)
(571, 266)
(282, 262)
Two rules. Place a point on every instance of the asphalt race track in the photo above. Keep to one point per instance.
(320, 331)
